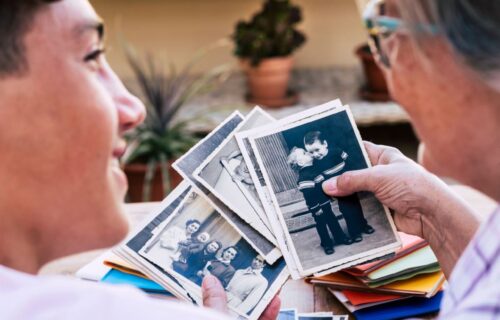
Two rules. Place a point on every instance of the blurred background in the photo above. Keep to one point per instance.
(177, 28)
(193, 62)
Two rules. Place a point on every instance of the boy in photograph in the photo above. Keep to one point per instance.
(330, 163)
(302, 161)
(247, 286)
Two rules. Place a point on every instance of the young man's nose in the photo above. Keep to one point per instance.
(131, 110)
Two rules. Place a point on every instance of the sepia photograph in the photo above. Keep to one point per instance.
(226, 175)
(189, 162)
(322, 232)
(195, 240)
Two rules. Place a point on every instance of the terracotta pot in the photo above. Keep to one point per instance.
(375, 88)
(135, 174)
(269, 80)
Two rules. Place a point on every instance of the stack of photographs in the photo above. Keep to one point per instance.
(251, 210)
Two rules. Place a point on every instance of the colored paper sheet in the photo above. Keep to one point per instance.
(421, 285)
(352, 308)
(117, 277)
(357, 298)
(402, 276)
(420, 258)
(410, 244)
(401, 309)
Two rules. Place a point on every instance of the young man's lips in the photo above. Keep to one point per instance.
(119, 151)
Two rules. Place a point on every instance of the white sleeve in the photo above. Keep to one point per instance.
(60, 298)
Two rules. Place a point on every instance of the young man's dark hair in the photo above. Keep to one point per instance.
(16, 18)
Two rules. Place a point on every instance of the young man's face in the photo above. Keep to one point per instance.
(317, 149)
(61, 127)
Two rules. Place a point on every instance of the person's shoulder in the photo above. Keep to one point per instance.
(88, 300)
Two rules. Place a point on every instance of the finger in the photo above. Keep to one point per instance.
(351, 182)
(374, 151)
(380, 154)
(272, 310)
(214, 296)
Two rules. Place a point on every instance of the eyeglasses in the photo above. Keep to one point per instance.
(381, 26)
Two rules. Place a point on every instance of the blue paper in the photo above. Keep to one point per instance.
(401, 309)
(118, 277)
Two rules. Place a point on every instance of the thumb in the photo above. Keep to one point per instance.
(350, 182)
(214, 296)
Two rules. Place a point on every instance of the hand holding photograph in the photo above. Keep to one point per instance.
(323, 234)
(194, 240)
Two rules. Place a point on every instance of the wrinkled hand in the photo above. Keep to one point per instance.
(398, 182)
(214, 297)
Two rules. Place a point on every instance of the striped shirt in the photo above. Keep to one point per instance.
(474, 290)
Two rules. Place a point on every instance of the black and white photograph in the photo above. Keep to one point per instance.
(322, 232)
(146, 233)
(255, 173)
(260, 183)
(189, 162)
(226, 174)
(195, 240)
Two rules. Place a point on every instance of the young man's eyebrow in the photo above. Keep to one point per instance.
(91, 26)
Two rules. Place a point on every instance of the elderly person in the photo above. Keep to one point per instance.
(63, 113)
(441, 59)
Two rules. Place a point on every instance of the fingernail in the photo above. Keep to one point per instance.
(209, 281)
(330, 186)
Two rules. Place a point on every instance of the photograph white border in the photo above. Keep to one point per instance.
(123, 251)
(316, 114)
(258, 223)
(264, 194)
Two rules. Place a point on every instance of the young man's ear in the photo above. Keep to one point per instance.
(325, 142)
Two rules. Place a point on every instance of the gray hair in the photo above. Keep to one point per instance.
(472, 27)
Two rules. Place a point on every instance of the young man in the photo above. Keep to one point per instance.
(315, 201)
(63, 113)
(330, 163)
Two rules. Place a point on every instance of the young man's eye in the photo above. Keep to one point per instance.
(95, 56)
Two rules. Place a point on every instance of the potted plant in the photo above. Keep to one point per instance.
(375, 87)
(265, 45)
(160, 140)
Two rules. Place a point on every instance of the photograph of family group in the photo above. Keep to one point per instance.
(196, 240)
(324, 231)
